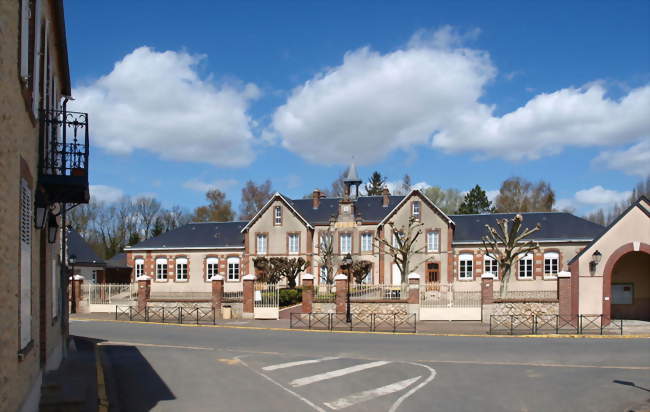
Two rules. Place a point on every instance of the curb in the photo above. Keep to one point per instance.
(552, 336)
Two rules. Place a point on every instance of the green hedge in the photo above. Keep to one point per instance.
(290, 297)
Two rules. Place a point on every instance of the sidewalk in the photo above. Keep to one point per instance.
(72, 387)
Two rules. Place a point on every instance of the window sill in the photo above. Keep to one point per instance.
(25, 351)
(181, 280)
(161, 281)
(550, 277)
(525, 279)
(465, 279)
(233, 280)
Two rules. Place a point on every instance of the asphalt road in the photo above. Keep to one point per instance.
(184, 368)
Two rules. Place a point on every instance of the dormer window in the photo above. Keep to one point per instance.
(277, 215)
(415, 209)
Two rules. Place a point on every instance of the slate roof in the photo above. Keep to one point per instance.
(555, 226)
(197, 235)
(117, 261)
(329, 206)
(81, 249)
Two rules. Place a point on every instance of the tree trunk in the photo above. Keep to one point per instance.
(503, 290)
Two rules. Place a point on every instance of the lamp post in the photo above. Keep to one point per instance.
(72, 259)
(347, 261)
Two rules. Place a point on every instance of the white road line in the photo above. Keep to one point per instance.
(335, 374)
(432, 374)
(370, 394)
(297, 363)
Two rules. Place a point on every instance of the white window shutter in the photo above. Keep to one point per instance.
(36, 83)
(25, 264)
(24, 40)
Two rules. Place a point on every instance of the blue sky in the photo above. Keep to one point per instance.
(211, 94)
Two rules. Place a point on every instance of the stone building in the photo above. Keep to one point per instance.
(43, 167)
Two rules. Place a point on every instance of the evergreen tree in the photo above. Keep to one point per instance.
(375, 184)
(158, 227)
(134, 239)
(475, 201)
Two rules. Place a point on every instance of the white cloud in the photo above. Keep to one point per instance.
(201, 186)
(157, 101)
(395, 186)
(634, 160)
(429, 93)
(105, 194)
(492, 194)
(598, 195)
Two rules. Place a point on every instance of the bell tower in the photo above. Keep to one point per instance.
(351, 179)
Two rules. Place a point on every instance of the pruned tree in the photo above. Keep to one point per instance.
(360, 269)
(265, 270)
(506, 244)
(375, 185)
(288, 268)
(253, 198)
(219, 209)
(476, 201)
(327, 258)
(402, 245)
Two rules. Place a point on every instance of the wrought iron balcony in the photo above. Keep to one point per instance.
(63, 156)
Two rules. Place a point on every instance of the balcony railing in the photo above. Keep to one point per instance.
(63, 166)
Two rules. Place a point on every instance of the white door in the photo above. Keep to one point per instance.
(396, 275)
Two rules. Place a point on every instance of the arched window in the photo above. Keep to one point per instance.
(211, 267)
(233, 268)
(181, 269)
(161, 269)
(139, 268)
(551, 263)
(465, 266)
(491, 266)
(526, 266)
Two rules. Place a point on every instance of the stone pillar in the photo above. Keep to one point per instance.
(307, 292)
(144, 291)
(414, 294)
(249, 297)
(341, 292)
(564, 293)
(217, 293)
(487, 288)
(77, 281)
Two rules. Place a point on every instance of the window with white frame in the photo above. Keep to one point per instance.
(465, 266)
(526, 266)
(211, 267)
(345, 243)
(395, 236)
(366, 242)
(491, 266)
(261, 243)
(433, 241)
(25, 263)
(323, 274)
(181, 269)
(233, 268)
(368, 278)
(415, 209)
(139, 268)
(551, 263)
(161, 269)
(294, 242)
(325, 240)
(277, 215)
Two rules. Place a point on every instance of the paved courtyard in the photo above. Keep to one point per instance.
(172, 368)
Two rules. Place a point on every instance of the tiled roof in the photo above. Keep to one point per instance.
(81, 249)
(198, 235)
(555, 226)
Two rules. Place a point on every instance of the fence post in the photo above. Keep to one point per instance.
(307, 292)
(564, 294)
(144, 290)
(77, 281)
(512, 323)
(341, 291)
(249, 297)
(217, 293)
(414, 294)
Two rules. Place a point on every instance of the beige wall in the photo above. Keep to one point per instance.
(19, 379)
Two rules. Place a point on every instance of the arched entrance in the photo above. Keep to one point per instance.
(627, 283)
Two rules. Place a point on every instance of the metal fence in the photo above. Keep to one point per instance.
(267, 295)
(233, 296)
(528, 294)
(324, 293)
(369, 322)
(108, 293)
(554, 324)
(436, 295)
(163, 314)
(378, 292)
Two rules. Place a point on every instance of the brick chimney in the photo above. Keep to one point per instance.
(386, 193)
(315, 199)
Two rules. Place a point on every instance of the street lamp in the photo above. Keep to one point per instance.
(347, 262)
(595, 260)
(52, 229)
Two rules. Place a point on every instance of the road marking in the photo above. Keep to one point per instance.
(370, 394)
(432, 374)
(335, 374)
(155, 345)
(268, 378)
(229, 361)
(297, 363)
(538, 364)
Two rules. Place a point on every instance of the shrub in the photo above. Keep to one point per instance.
(290, 297)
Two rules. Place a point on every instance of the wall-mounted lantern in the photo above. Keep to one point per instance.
(41, 210)
(595, 260)
(52, 229)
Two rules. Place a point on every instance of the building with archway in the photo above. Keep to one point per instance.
(611, 275)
